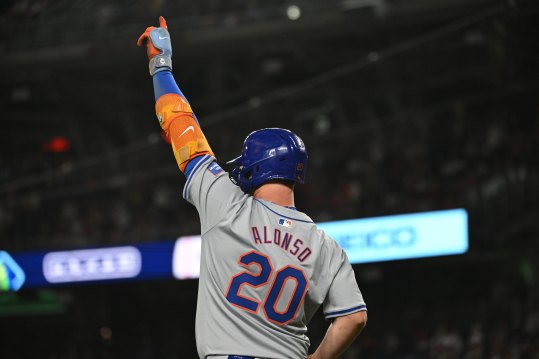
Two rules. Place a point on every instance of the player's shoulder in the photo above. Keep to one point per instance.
(203, 163)
(327, 243)
(202, 169)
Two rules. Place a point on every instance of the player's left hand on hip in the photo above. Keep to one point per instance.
(158, 46)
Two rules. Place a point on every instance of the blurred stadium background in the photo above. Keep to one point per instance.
(404, 105)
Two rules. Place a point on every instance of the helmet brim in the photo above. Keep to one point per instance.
(236, 161)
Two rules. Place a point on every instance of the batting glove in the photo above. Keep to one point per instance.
(158, 47)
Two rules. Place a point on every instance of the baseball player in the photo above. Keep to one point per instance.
(265, 268)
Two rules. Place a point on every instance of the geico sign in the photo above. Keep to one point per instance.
(382, 238)
(92, 264)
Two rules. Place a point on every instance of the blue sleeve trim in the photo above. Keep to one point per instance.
(339, 313)
(199, 161)
(191, 165)
(164, 83)
(282, 215)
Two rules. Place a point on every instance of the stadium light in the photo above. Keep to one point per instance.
(293, 12)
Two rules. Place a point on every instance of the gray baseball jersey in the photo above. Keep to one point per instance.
(265, 270)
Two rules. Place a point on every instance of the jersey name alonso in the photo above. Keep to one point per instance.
(265, 270)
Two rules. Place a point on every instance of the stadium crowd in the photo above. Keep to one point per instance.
(486, 308)
(488, 166)
(501, 323)
(477, 152)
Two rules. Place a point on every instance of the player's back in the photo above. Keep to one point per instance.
(265, 269)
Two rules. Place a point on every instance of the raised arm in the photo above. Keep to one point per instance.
(173, 111)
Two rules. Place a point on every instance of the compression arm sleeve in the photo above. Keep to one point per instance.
(179, 122)
(163, 83)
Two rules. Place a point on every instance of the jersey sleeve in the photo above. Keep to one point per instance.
(344, 296)
(210, 190)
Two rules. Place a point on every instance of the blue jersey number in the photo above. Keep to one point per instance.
(233, 294)
(285, 274)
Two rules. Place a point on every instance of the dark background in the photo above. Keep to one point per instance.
(404, 106)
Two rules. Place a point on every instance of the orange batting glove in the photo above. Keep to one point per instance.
(158, 47)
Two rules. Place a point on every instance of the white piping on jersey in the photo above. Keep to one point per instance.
(282, 215)
(197, 167)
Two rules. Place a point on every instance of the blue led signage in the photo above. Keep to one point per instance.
(365, 240)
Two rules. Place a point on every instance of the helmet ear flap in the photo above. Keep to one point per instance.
(235, 175)
(241, 178)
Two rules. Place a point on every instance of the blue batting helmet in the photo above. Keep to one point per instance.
(269, 154)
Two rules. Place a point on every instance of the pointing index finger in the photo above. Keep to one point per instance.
(163, 22)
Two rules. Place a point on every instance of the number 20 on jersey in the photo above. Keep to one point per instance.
(262, 279)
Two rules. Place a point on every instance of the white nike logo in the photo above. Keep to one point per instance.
(162, 38)
(190, 128)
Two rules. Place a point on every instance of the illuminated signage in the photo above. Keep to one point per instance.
(12, 276)
(416, 235)
(186, 257)
(92, 264)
